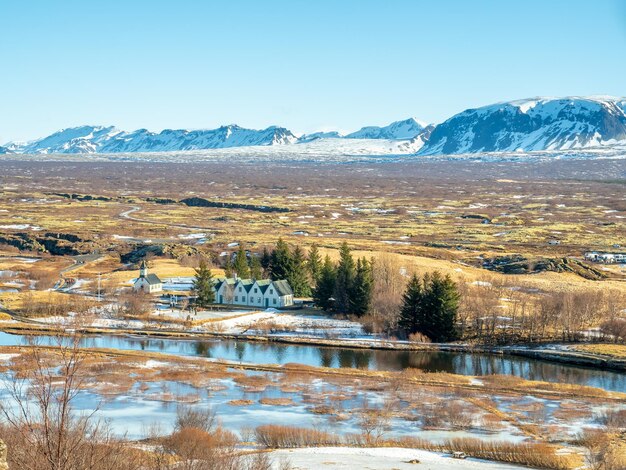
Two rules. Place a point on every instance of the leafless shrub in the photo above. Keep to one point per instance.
(531, 454)
(615, 329)
(196, 417)
(612, 419)
(45, 278)
(56, 305)
(600, 451)
(374, 422)
(196, 449)
(277, 437)
(389, 283)
(135, 304)
(194, 260)
(39, 421)
(418, 338)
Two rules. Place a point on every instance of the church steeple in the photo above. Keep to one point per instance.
(143, 269)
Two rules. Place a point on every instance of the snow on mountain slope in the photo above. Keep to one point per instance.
(319, 135)
(416, 143)
(173, 140)
(531, 124)
(400, 130)
(94, 139)
(84, 139)
(536, 124)
(4, 150)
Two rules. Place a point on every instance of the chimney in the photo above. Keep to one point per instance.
(235, 277)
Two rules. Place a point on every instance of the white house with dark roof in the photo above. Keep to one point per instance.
(148, 283)
(263, 293)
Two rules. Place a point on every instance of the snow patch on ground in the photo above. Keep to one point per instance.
(344, 458)
(152, 364)
(7, 357)
(20, 227)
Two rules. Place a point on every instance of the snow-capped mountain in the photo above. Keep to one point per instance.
(399, 130)
(97, 139)
(319, 135)
(416, 143)
(535, 124)
(532, 124)
(83, 139)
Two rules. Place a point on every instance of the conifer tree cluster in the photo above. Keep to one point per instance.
(345, 287)
(243, 267)
(203, 286)
(290, 264)
(430, 306)
(300, 269)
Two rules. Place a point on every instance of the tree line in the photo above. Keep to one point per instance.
(428, 306)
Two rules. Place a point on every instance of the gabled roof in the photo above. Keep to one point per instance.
(153, 279)
(263, 284)
(246, 283)
(282, 287)
(220, 281)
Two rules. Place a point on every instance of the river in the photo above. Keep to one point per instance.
(311, 355)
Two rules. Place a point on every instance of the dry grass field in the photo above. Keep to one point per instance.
(455, 217)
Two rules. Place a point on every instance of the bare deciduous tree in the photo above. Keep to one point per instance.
(40, 424)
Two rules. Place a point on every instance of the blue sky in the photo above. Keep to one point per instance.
(305, 65)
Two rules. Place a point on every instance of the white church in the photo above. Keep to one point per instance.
(148, 283)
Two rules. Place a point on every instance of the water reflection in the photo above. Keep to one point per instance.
(275, 353)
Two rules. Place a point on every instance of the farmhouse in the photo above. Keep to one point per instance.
(148, 283)
(253, 293)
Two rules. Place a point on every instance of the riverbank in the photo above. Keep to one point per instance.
(551, 352)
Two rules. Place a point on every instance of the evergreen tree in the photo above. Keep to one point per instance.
(325, 287)
(361, 293)
(280, 262)
(240, 266)
(266, 260)
(314, 263)
(344, 280)
(203, 286)
(442, 305)
(229, 270)
(256, 270)
(297, 274)
(412, 311)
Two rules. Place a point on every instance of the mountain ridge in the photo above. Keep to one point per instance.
(540, 123)
(531, 124)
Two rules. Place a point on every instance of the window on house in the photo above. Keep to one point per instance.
(236, 298)
(274, 301)
(243, 299)
(259, 300)
(256, 290)
(239, 288)
(271, 291)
